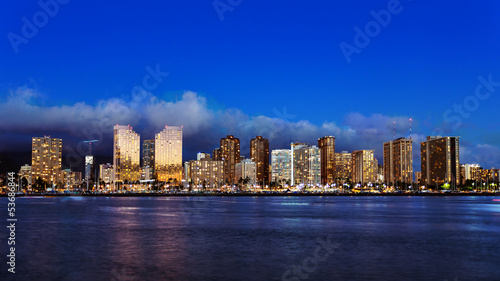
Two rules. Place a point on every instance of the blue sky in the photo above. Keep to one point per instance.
(264, 62)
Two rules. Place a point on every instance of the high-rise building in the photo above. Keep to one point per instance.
(398, 161)
(106, 172)
(246, 169)
(327, 147)
(259, 153)
(216, 155)
(364, 167)
(148, 154)
(440, 160)
(168, 154)
(306, 164)
(205, 172)
(126, 154)
(281, 166)
(89, 168)
(230, 154)
(71, 179)
(469, 172)
(488, 175)
(293, 147)
(46, 159)
(343, 166)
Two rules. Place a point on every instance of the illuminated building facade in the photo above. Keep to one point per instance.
(168, 154)
(71, 179)
(398, 161)
(203, 156)
(148, 154)
(440, 160)
(216, 154)
(126, 154)
(46, 159)
(327, 148)
(418, 177)
(293, 166)
(281, 166)
(246, 169)
(25, 172)
(306, 164)
(343, 166)
(205, 172)
(89, 168)
(469, 172)
(488, 175)
(230, 155)
(106, 172)
(259, 153)
(146, 173)
(364, 167)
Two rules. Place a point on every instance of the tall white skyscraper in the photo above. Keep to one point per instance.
(306, 164)
(281, 166)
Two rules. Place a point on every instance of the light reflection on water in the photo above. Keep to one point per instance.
(255, 238)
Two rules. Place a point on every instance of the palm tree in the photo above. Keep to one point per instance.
(246, 180)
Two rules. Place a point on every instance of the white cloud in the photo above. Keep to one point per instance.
(203, 127)
(486, 155)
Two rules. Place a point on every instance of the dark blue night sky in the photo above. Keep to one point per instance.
(274, 68)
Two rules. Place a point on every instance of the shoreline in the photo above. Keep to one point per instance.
(256, 194)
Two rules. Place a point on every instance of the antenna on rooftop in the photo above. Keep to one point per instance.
(394, 130)
(410, 128)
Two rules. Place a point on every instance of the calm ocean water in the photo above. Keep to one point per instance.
(255, 238)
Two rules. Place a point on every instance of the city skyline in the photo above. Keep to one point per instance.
(399, 153)
(302, 164)
(250, 140)
(407, 71)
